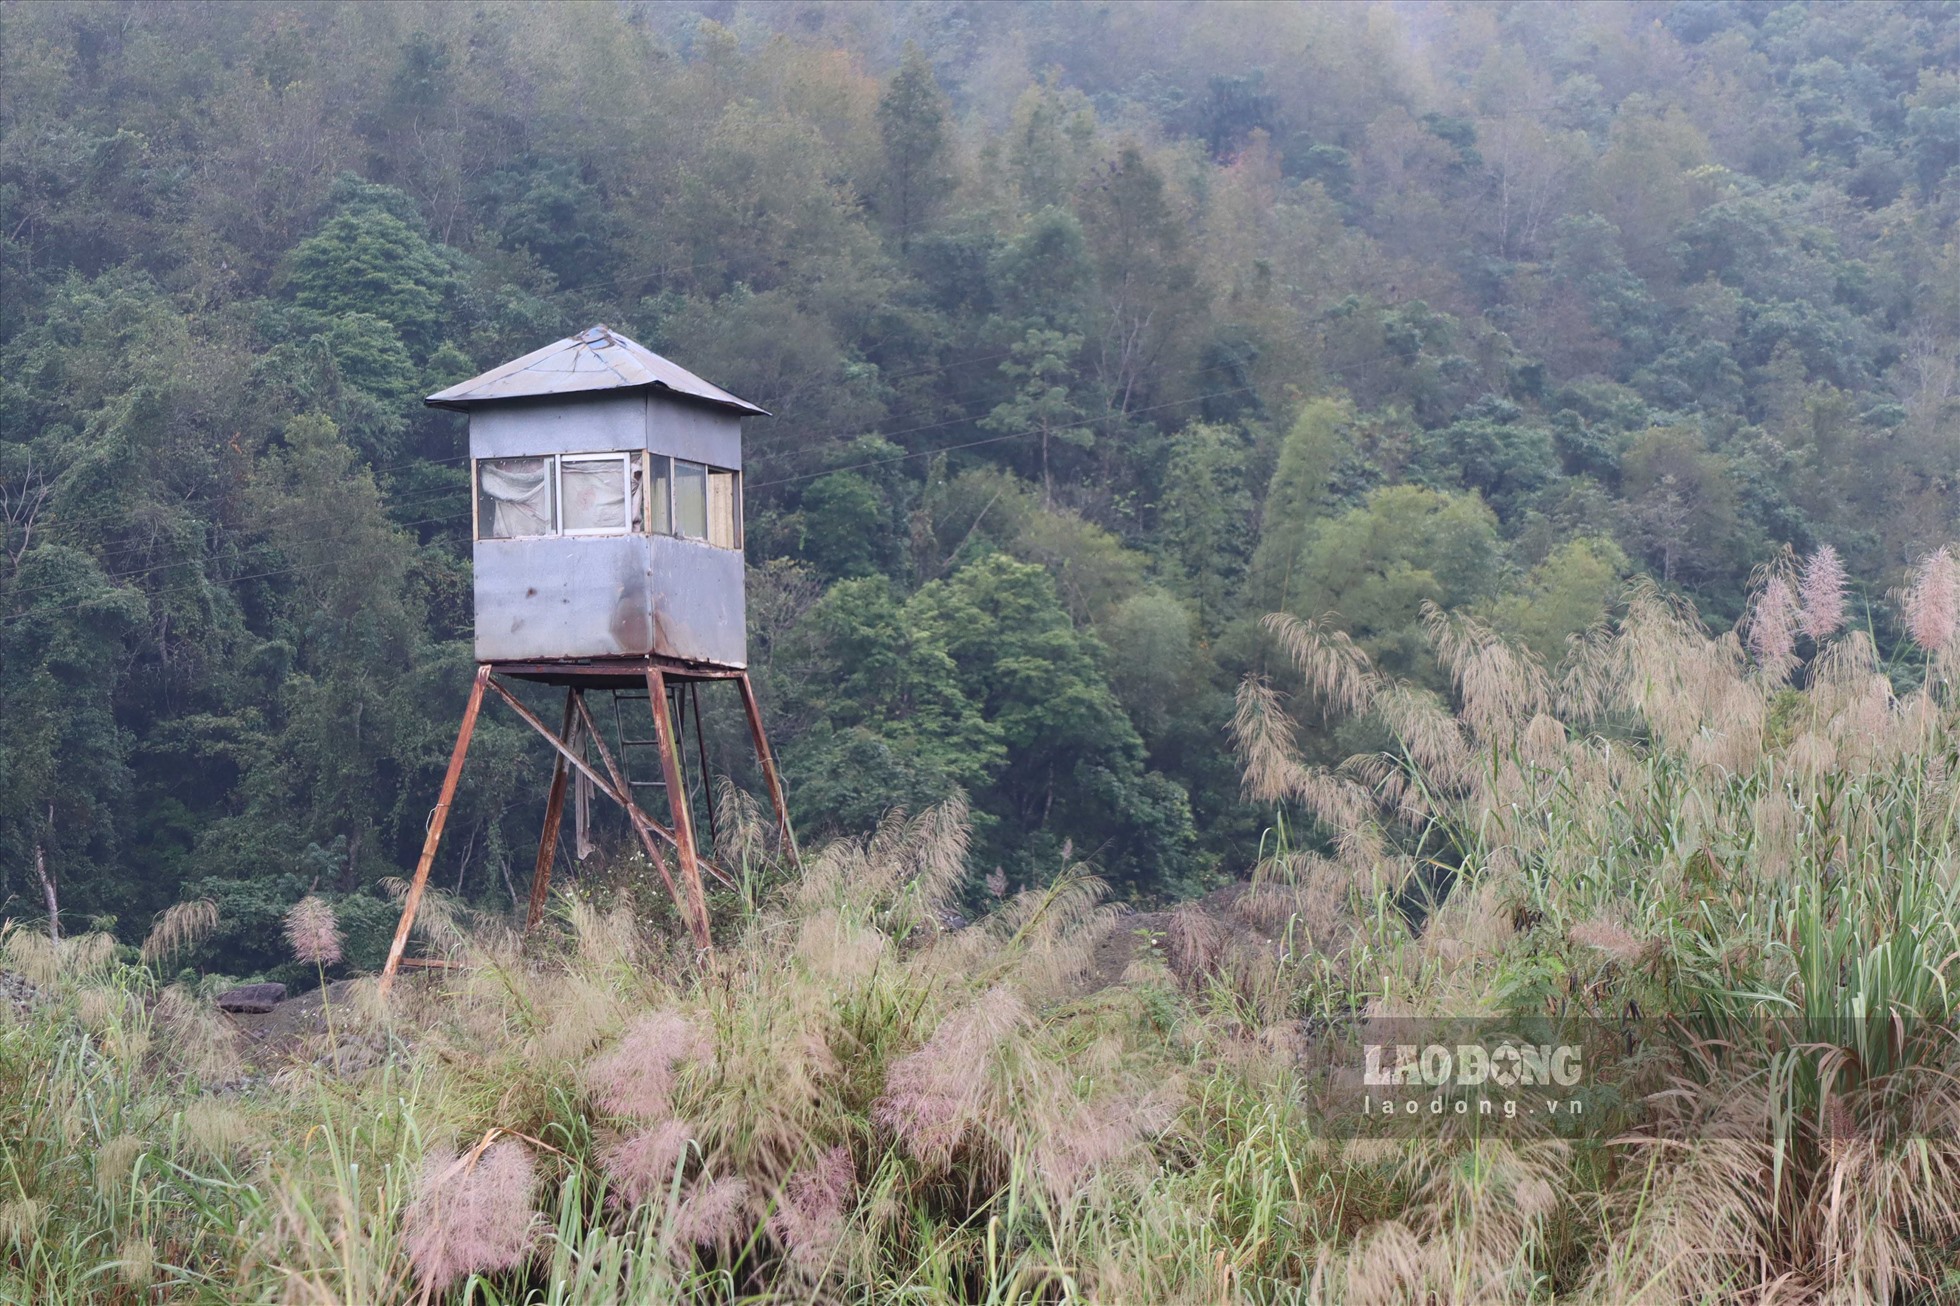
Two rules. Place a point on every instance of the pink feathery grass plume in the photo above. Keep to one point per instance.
(1822, 594)
(810, 1218)
(636, 1077)
(642, 1165)
(1932, 601)
(1086, 1139)
(933, 1095)
(1773, 624)
(313, 932)
(472, 1213)
(713, 1214)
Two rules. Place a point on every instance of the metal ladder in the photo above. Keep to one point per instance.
(692, 783)
(627, 743)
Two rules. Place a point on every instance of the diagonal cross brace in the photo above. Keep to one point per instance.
(643, 825)
(634, 812)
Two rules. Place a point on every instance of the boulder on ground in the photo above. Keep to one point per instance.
(252, 999)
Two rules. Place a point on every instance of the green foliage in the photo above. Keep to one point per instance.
(1095, 291)
(1152, 647)
(548, 208)
(1563, 596)
(1681, 503)
(367, 260)
(844, 525)
(1297, 497)
(1491, 450)
(1041, 363)
(981, 681)
(62, 760)
(887, 671)
(912, 129)
(1202, 513)
(1377, 565)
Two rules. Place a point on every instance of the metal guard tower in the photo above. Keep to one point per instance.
(607, 518)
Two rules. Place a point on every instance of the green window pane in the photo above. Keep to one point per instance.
(690, 500)
(661, 492)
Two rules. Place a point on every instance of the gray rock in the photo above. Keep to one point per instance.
(17, 990)
(252, 999)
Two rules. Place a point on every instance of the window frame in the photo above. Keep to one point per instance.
(659, 489)
(660, 510)
(734, 507)
(674, 517)
(476, 497)
(624, 457)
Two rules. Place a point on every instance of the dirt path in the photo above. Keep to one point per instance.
(298, 1026)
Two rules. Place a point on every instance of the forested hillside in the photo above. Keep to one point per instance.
(1093, 334)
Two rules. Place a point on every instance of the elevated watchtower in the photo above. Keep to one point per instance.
(606, 487)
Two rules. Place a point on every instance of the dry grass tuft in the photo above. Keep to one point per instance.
(1931, 602)
(313, 932)
(184, 926)
(1821, 593)
(216, 1128)
(1612, 939)
(714, 1213)
(1194, 943)
(136, 1262)
(20, 1222)
(46, 962)
(115, 1163)
(810, 1216)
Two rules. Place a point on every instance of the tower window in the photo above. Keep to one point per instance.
(595, 490)
(607, 494)
(516, 497)
(724, 508)
(690, 500)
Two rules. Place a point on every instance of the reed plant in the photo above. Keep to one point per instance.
(1744, 844)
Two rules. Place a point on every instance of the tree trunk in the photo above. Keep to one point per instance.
(47, 887)
(349, 874)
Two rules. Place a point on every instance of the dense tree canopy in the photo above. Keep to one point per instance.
(1092, 333)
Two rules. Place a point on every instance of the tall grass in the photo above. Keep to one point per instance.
(1754, 853)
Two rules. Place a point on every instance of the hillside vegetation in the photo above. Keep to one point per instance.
(850, 1103)
(1278, 521)
(1093, 334)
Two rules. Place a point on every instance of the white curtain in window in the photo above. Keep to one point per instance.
(595, 494)
(516, 497)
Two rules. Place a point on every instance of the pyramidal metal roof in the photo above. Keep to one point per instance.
(597, 358)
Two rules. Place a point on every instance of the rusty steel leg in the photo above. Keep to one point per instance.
(554, 812)
(754, 712)
(437, 819)
(670, 767)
